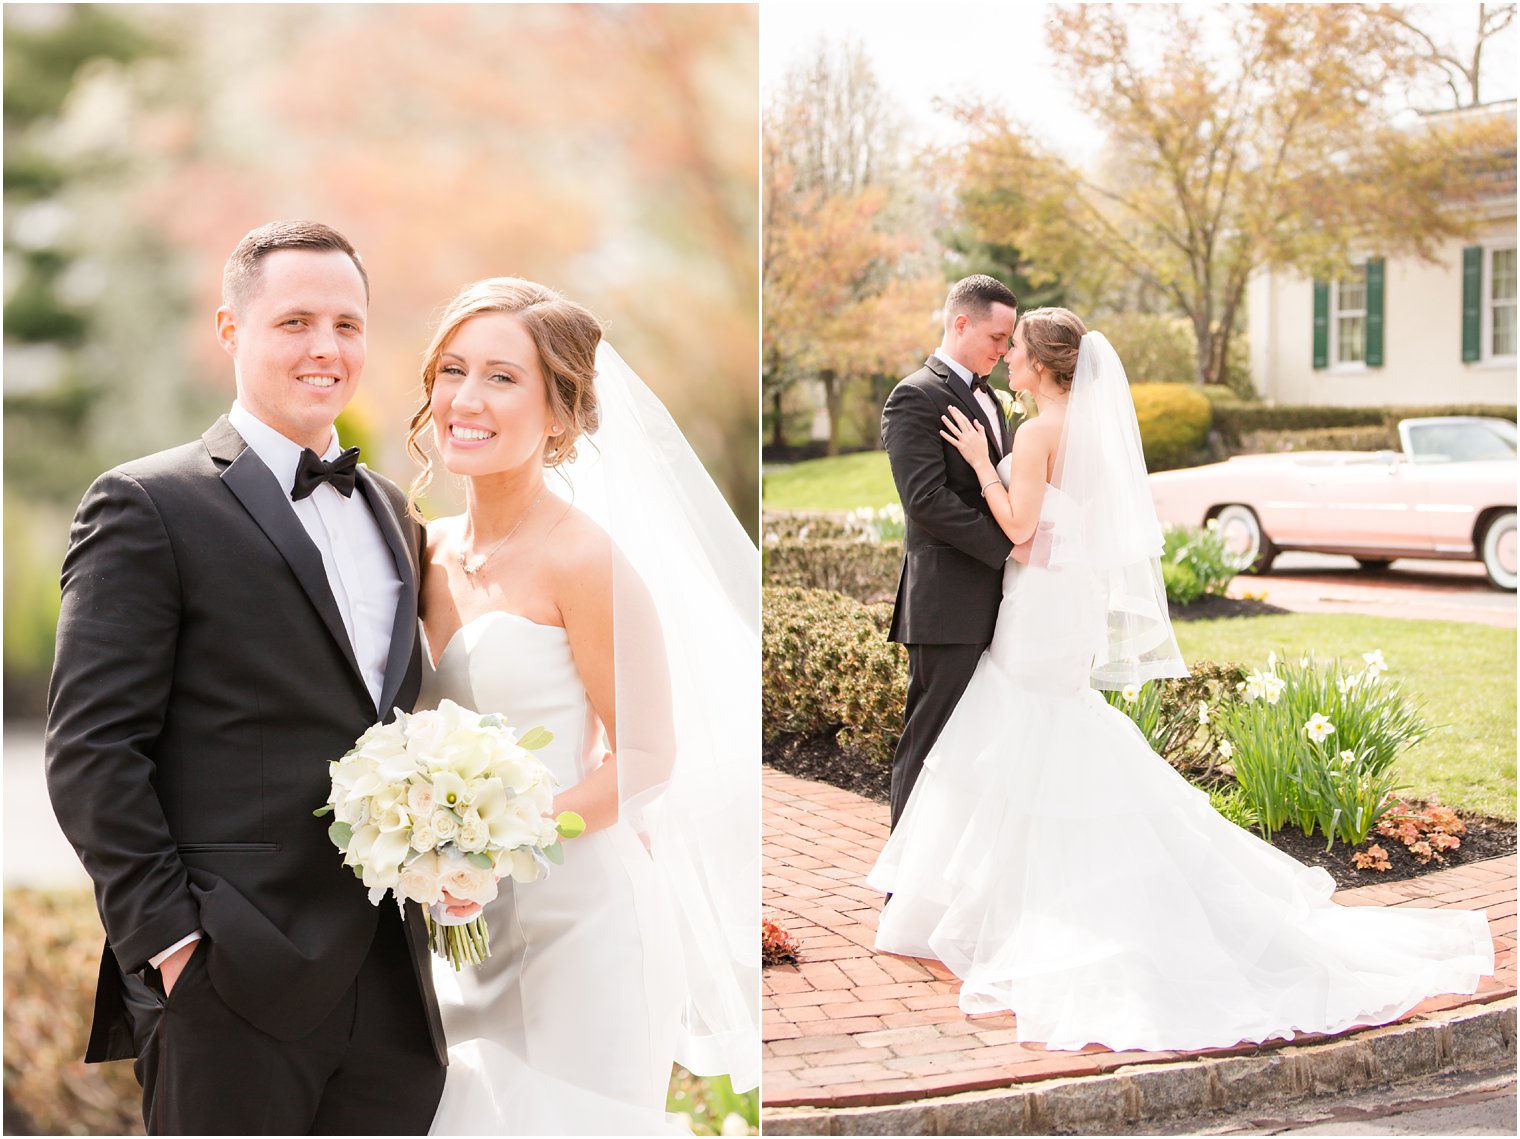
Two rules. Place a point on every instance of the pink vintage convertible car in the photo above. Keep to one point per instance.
(1449, 494)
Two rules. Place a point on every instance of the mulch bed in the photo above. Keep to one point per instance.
(821, 760)
(1485, 838)
(1211, 607)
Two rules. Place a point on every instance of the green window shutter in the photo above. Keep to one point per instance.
(1321, 324)
(1375, 312)
(1472, 302)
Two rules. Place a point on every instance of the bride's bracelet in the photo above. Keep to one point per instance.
(985, 485)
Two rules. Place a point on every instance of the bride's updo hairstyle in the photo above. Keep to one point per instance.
(564, 333)
(1052, 337)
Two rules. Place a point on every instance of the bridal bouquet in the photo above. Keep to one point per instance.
(446, 800)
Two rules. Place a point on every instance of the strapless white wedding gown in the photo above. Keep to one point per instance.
(1065, 872)
(570, 1026)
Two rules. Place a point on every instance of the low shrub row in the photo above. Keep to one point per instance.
(1379, 438)
(866, 571)
(52, 957)
(802, 525)
(1234, 421)
(828, 668)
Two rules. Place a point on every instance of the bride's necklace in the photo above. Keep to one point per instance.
(473, 566)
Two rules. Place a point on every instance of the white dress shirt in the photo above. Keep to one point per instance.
(361, 570)
(988, 404)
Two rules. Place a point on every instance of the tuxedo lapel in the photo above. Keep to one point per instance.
(961, 394)
(267, 503)
(404, 629)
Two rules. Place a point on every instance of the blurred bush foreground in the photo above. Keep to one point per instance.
(607, 151)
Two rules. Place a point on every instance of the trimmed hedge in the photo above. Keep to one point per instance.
(866, 571)
(1235, 421)
(827, 667)
(802, 525)
(1174, 423)
(52, 956)
(1381, 438)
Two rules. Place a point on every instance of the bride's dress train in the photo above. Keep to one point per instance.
(1065, 872)
(571, 1025)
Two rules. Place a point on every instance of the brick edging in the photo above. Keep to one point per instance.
(1460, 1040)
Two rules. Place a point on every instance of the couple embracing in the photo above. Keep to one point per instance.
(1040, 848)
(237, 611)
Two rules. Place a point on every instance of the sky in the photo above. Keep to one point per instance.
(994, 51)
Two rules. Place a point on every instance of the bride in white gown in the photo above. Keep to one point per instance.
(562, 603)
(1048, 856)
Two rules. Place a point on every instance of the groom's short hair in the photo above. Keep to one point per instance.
(241, 275)
(975, 295)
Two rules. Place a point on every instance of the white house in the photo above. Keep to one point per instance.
(1401, 331)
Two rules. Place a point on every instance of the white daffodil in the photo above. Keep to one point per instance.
(1272, 687)
(1319, 728)
(1226, 749)
(1375, 662)
(1131, 693)
(1347, 758)
(1271, 660)
(1203, 712)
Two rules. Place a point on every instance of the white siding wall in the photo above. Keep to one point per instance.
(1422, 340)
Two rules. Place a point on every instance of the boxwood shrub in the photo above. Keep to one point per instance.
(827, 667)
(1174, 423)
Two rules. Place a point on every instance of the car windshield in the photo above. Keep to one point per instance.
(1462, 441)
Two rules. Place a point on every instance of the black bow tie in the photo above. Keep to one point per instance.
(980, 384)
(312, 472)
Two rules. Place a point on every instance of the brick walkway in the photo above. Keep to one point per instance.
(850, 1027)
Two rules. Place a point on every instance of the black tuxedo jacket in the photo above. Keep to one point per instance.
(953, 550)
(202, 681)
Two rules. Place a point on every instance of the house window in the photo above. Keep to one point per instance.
(1499, 303)
(1348, 321)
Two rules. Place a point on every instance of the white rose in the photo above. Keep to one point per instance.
(467, 882)
(419, 798)
(445, 825)
(474, 833)
(423, 836)
(419, 880)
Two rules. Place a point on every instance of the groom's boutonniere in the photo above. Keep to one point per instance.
(1012, 409)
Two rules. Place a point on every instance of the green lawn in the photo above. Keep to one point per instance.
(862, 479)
(1463, 675)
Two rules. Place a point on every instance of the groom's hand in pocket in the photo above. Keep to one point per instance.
(174, 964)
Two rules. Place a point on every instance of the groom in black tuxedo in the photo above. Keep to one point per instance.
(236, 611)
(953, 550)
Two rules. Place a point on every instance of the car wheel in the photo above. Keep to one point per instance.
(1242, 535)
(1499, 551)
(1374, 563)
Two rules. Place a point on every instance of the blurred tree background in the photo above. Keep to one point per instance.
(607, 151)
